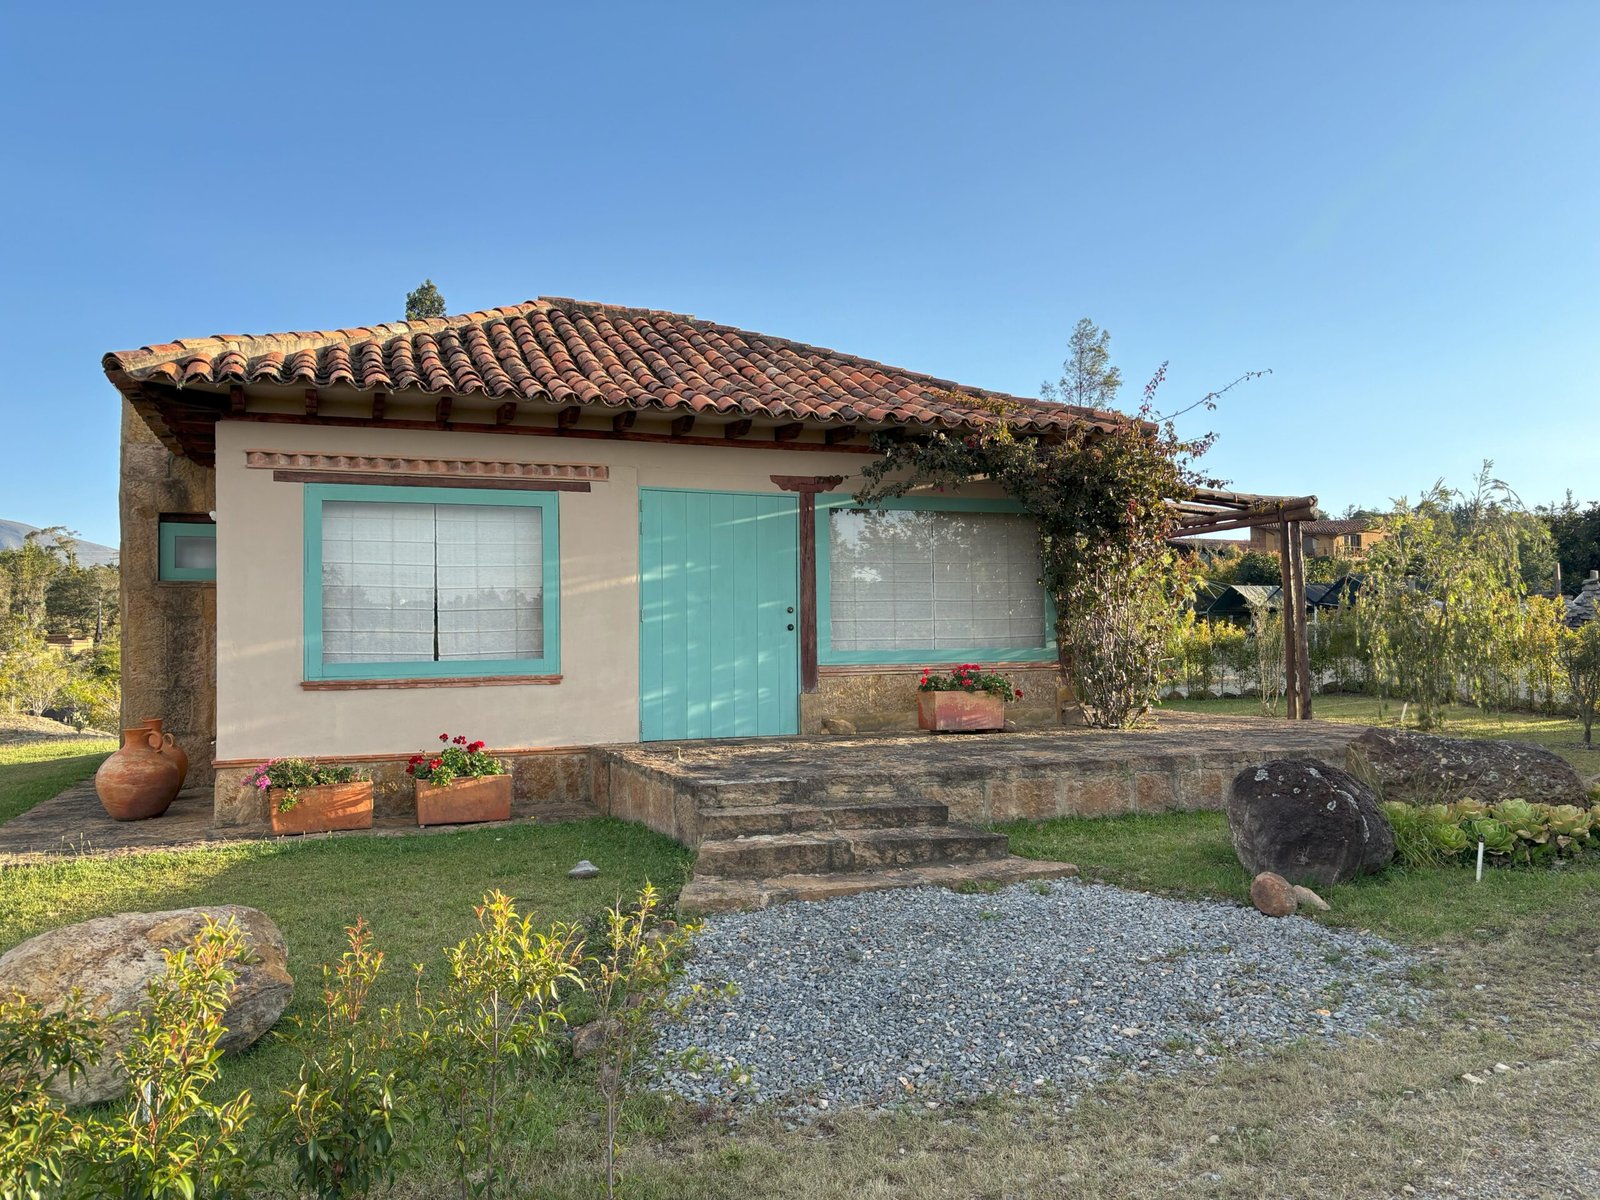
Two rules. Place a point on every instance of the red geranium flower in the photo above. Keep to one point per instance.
(444, 737)
(1019, 693)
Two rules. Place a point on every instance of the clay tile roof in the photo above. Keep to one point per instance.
(566, 352)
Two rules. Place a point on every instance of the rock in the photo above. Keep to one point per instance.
(589, 1039)
(1308, 822)
(1421, 768)
(113, 960)
(584, 870)
(838, 726)
(1272, 894)
(1306, 897)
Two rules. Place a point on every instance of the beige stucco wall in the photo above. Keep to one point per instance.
(262, 711)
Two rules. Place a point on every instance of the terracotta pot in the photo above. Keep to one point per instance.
(137, 781)
(464, 801)
(964, 712)
(321, 808)
(170, 749)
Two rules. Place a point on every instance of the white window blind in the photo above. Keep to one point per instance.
(431, 582)
(926, 580)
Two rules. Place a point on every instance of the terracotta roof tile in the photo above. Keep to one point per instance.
(572, 352)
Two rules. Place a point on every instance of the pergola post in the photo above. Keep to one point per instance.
(1296, 636)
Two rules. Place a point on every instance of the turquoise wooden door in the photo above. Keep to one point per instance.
(718, 581)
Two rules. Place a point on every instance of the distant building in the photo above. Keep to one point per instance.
(1348, 537)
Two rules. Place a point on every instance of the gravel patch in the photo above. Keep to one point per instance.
(927, 996)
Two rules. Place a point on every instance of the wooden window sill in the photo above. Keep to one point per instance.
(353, 685)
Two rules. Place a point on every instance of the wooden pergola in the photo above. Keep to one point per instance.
(1212, 511)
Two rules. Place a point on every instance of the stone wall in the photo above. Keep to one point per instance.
(169, 630)
(877, 700)
(543, 783)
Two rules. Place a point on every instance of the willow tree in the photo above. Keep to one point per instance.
(1442, 590)
(1101, 496)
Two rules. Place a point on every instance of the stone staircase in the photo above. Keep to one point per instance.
(752, 855)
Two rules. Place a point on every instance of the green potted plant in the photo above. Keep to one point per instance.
(966, 700)
(460, 784)
(304, 796)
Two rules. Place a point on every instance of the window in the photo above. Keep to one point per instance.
(430, 582)
(188, 549)
(915, 582)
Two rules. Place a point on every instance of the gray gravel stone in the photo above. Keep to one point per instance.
(925, 996)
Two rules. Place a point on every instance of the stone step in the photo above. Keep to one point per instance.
(720, 823)
(843, 850)
(706, 895)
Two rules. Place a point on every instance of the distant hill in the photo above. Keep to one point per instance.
(90, 554)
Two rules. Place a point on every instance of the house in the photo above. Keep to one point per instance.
(1348, 537)
(549, 526)
(1238, 601)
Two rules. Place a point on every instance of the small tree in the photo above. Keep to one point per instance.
(424, 302)
(1087, 377)
(1580, 662)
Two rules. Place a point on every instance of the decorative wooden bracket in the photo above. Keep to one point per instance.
(787, 433)
(736, 429)
(623, 421)
(682, 425)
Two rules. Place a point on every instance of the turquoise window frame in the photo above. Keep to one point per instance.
(1045, 652)
(317, 494)
(169, 571)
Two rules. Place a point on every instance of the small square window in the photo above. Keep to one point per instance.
(188, 550)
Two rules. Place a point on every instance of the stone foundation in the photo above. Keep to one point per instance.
(884, 700)
(169, 630)
(543, 783)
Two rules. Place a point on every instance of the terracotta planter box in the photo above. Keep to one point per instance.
(464, 801)
(324, 807)
(960, 712)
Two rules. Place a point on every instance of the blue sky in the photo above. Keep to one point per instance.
(1395, 207)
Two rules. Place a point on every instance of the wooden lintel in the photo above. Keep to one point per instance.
(380, 402)
(483, 483)
(311, 402)
(236, 399)
(441, 411)
(736, 429)
(503, 414)
(843, 433)
(682, 425)
(623, 421)
(787, 433)
(567, 418)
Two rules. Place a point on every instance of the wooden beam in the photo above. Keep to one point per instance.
(551, 431)
(623, 421)
(380, 403)
(567, 418)
(311, 402)
(682, 425)
(807, 486)
(736, 429)
(1291, 643)
(842, 434)
(504, 414)
(441, 410)
(236, 399)
(788, 433)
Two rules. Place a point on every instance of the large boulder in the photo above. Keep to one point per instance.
(112, 961)
(1308, 822)
(1422, 768)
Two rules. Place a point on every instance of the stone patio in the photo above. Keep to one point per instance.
(73, 824)
(805, 818)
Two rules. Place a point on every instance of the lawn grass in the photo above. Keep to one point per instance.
(1562, 735)
(1191, 854)
(32, 771)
